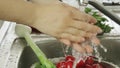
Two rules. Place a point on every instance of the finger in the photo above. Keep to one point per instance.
(88, 48)
(65, 41)
(71, 37)
(82, 16)
(92, 20)
(76, 13)
(85, 27)
(95, 40)
(78, 32)
(78, 47)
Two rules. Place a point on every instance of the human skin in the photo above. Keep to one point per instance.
(79, 46)
(57, 19)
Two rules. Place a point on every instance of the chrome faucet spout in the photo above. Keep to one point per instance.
(105, 11)
(82, 2)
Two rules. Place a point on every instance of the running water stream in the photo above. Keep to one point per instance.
(83, 56)
(96, 54)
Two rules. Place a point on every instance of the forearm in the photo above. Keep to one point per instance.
(16, 10)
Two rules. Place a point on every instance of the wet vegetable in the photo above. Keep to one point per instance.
(67, 63)
(69, 58)
(89, 62)
(105, 27)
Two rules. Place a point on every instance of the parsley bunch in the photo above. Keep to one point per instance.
(105, 27)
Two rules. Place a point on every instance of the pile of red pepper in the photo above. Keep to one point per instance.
(88, 63)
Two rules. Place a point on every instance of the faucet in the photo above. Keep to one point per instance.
(101, 8)
(105, 11)
(82, 2)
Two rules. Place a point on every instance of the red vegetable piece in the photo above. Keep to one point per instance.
(89, 60)
(69, 64)
(88, 66)
(97, 66)
(93, 57)
(69, 58)
(61, 64)
(58, 65)
(81, 64)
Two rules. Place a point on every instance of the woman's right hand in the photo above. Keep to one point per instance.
(64, 22)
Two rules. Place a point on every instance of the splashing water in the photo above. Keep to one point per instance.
(105, 49)
(97, 54)
(83, 56)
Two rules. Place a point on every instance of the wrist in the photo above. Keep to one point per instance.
(27, 15)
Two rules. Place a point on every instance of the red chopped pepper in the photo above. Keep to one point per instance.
(69, 58)
(88, 63)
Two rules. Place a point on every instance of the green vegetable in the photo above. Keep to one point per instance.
(42, 58)
(24, 31)
(105, 27)
(87, 10)
(36, 65)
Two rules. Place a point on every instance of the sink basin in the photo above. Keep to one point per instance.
(53, 48)
(50, 47)
(113, 53)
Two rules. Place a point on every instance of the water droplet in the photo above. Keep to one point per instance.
(105, 49)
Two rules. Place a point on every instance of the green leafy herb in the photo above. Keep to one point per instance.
(105, 27)
(87, 10)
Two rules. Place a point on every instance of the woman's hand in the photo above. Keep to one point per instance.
(65, 23)
(56, 19)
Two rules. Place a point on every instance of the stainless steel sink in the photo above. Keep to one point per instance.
(4, 27)
(113, 53)
(52, 48)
